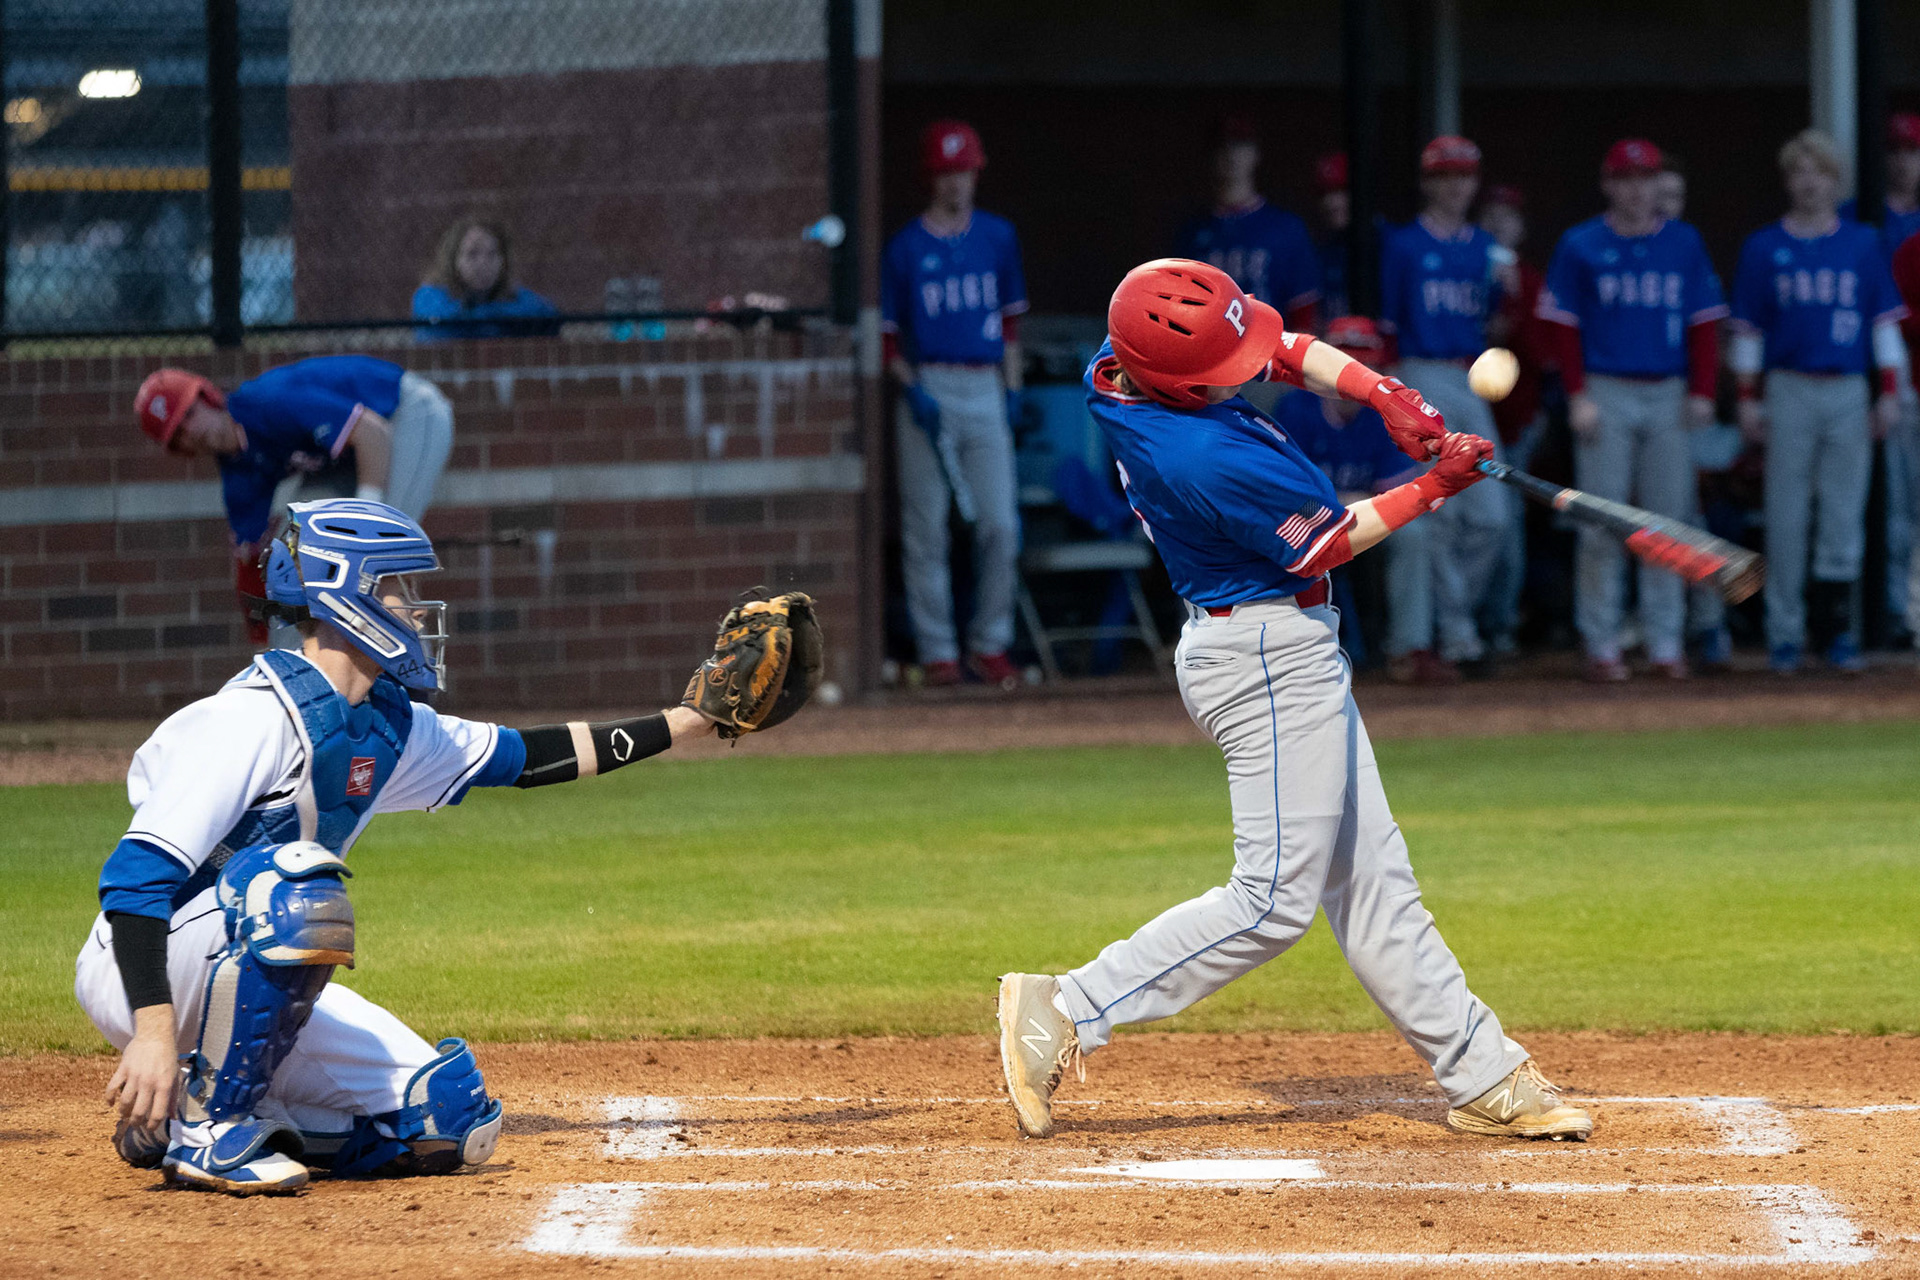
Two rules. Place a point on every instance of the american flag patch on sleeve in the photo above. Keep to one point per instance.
(1301, 524)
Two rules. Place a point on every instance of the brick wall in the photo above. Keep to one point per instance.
(679, 139)
(671, 475)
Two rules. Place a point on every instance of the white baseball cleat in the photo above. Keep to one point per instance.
(1037, 1045)
(245, 1157)
(1524, 1105)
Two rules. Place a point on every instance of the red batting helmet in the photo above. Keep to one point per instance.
(1903, 131)
(165, 398)
(950, 146)
(1449, 154)
(1330, 172)
(1630, 156)
(1177, 324)
(1356, 335)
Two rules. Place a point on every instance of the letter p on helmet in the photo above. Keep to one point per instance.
(1236, 316)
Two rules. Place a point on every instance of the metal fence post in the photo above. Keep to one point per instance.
(224, 212)
(1358, 49)
(6, 181)
(843, 156)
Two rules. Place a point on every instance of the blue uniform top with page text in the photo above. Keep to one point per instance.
(946, 296)
(1234, 507)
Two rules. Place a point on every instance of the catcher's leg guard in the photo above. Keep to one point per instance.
(288, 924)
(448, 1121)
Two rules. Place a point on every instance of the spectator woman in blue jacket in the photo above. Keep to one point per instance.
(470, 293)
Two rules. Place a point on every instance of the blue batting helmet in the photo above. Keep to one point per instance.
(351, 563)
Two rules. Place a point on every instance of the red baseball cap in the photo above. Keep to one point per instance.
(1355, 335)
(1507, 194)
(1903, 131)
(951, 146)
(165, 398)
(1236, 129)
(1330, 172)
(1631, 155)
(1449, 154)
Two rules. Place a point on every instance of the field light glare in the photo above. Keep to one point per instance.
(105, 82)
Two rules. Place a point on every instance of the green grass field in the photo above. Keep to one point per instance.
(1765, 880)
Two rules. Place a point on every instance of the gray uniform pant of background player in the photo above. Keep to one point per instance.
(1638, 455)
(1409, 576)
(1819, 467)
(1311, 830)
(1469, 534)
(973, 411)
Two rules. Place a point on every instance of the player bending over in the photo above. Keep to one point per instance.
(224, 908)
(1248, 528)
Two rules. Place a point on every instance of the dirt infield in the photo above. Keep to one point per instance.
(1181, 1155)
(1146, 711)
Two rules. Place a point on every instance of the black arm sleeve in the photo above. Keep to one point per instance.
(140, 949)
(563, 752)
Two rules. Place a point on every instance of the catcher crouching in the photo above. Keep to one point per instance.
(224, 908)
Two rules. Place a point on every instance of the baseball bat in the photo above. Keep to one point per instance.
(1694, 554)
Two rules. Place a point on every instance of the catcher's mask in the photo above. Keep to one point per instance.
(355, 564)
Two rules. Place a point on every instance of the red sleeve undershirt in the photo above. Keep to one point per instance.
(1337, 551)
(1703, 359)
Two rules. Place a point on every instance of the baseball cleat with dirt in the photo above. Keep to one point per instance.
(1524, 1105)
(1037, 1045)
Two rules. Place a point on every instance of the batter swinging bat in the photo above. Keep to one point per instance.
(1694, 554)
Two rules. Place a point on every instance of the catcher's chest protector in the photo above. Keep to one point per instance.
(350, 755)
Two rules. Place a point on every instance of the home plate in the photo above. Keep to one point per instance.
(1213, 1170)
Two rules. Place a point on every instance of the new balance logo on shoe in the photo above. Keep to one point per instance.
(1039, 1033)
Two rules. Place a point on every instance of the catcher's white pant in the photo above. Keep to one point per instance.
(1311, 830)
(352, 1058)
(973, 412)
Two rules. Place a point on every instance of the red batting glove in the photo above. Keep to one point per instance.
(1456, 467)
(1416, 426)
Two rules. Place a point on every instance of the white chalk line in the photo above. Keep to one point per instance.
(655, 1125)
(594, 1219)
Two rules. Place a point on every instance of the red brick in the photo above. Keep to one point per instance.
(520, 453)
(122, 571)
(99, 540)
(27, 575)
(42, 644)
(74, 471)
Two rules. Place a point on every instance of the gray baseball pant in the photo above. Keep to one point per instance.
(1819, 468)
(973, 411)
(1311, 829)
(1910, 430)
(1639, 455)
(1470, 533)
(422, 438)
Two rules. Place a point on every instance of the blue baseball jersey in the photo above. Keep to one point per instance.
(296, 418)
(1236, 510)
(1632, 297)
(945, 296)
(1357, 456)
(1437, 294)
(1895, 226)
(1815, 300)
(1266, 250)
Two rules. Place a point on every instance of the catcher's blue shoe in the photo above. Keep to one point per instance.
(245, 1158)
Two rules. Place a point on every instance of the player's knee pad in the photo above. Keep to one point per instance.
(289, 922)
(447, 1121)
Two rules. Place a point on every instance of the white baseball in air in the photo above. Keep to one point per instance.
(830, 694)
(1494, 373)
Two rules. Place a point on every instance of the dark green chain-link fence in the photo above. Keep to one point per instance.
(213, 167)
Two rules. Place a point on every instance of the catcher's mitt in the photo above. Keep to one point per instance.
(766, 663)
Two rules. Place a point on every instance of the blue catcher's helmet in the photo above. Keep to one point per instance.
(352, 563)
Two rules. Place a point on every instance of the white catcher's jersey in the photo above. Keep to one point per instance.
(210, 762)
